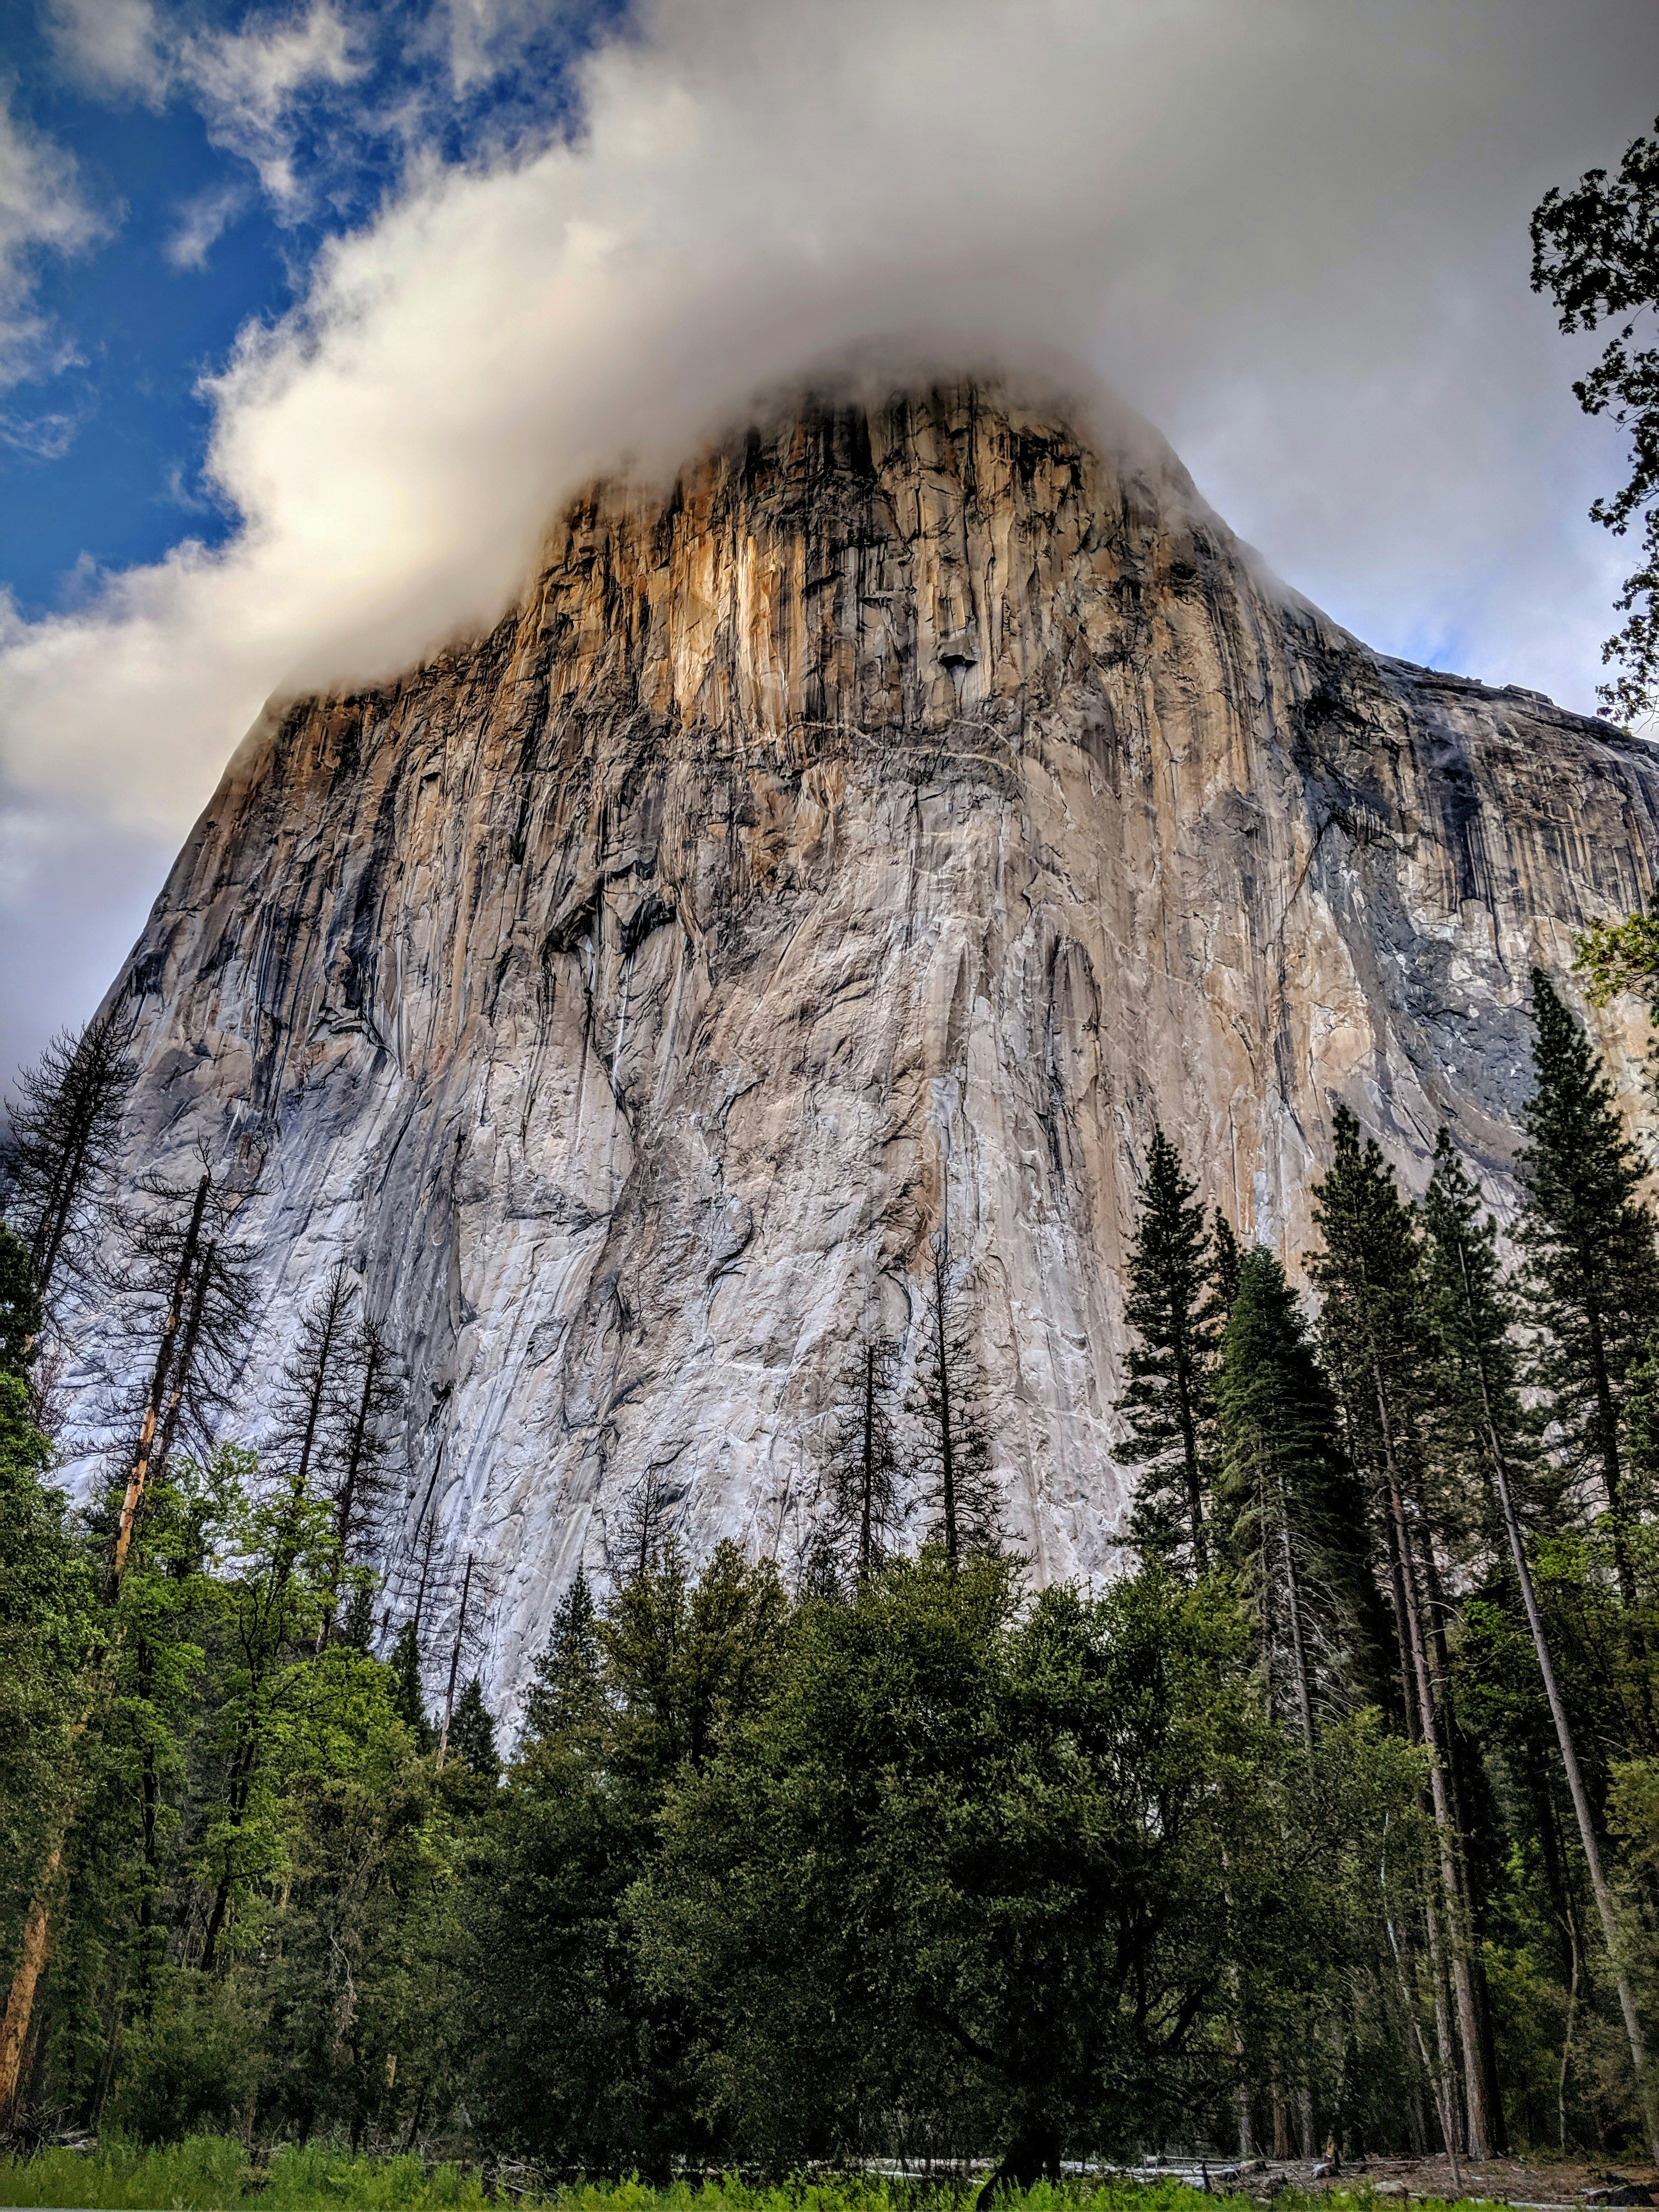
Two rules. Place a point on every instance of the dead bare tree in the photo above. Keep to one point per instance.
(862, 1478)
(60, 1158)
(947, 1404)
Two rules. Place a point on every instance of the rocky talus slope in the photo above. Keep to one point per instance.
(882, 827)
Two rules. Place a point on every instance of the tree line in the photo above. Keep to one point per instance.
(1334, 1815)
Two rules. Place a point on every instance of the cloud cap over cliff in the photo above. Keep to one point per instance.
(1291, 232)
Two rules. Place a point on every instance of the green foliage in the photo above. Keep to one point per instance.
(1619, 956)
(565, 1695)
(49, 1626)
(1596, 249)
(20, 1304)
(1173, 1306)
(919, 1860)
(209, 2171)
(1474, 1413)
(1593, 1268)
(1288, 1508)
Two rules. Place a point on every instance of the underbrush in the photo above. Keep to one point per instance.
(211, 2173)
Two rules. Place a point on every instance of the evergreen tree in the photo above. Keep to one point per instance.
(1227, 1261)
(1595, 250)
(47, 1631)
(472, 1735)
(1474, 1415)
(1286, 1509)
(1482, 1432)
(565, 1691)
(1172, 1309)
(186, 1291)
(1372, 1335)
(643, 1525)
(1592, 1265)
(363, 1474)
(311, 1394)
(409, 1691)
(953, 1430)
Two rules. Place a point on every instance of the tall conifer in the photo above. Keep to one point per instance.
(409, 1691)
(1483, 1431)
(565, 1691)
(1174, 1311)
(1592, 1265)
(1370, 1330)
(1287, 1514)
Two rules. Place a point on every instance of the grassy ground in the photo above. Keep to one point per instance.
(210, 2173)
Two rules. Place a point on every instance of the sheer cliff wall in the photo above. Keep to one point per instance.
(885, 828)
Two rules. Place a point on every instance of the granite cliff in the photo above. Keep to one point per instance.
(885, 824)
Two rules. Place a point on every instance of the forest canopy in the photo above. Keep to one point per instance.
(1331, 1818)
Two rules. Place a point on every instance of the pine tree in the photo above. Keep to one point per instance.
(1226, 1264)
(1471, 1317)
(1174, 1310)
(1474, 1414)
(62, 1152)
(1370, 1335)
(1592, 1265)
(863, 1474)
(472, 1734)
(476, 1592)
(948, 1403)
(1287, 1513)
(409, 1692)
(565, 1693)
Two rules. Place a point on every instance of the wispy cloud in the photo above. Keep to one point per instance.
(251, 86)
(45, 437)
(42, 210)
(203, 221)
(110, 46)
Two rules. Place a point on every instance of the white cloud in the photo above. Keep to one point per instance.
(42, 209)
(248, 85)
(110, 45)
(1291, 231)
(251, 85)
(203, 221)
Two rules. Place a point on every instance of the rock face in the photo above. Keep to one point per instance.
(883, 830)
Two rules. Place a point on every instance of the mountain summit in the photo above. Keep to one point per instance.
(877, 834)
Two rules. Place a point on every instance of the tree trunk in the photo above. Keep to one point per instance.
(1607, 1429)
(1604, 1905)
(1032, 2156)
(170, 1325)
(1468, 2026)
(20, 2004)
(1605, 1910)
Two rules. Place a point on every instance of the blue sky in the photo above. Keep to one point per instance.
(101, 456)
(310, 311)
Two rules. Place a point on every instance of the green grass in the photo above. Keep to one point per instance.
(211, 2173)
